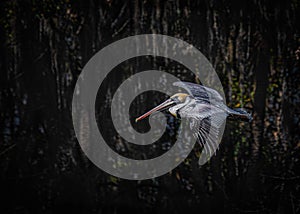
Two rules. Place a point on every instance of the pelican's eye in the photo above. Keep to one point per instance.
(175, 99)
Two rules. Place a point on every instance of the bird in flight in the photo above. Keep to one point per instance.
(205, 110)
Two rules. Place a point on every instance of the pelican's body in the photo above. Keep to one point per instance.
(200, 109)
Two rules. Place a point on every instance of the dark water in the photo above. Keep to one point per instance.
(44, 46)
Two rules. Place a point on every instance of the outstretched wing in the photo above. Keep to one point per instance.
(206, 122)
(200, 92)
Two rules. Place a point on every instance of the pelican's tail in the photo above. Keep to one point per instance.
(240, 113)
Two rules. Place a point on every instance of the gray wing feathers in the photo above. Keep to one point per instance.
(200, 92)
(205, 121)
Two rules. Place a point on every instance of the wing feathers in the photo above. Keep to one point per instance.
(200, 92)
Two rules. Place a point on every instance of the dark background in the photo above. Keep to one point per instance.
(252, 45)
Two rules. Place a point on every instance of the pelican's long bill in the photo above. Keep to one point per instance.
(157, 108)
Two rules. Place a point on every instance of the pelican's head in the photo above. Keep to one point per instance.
(179, 97)
(174, 100)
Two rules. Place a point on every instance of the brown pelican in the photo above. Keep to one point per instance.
(200, 106)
